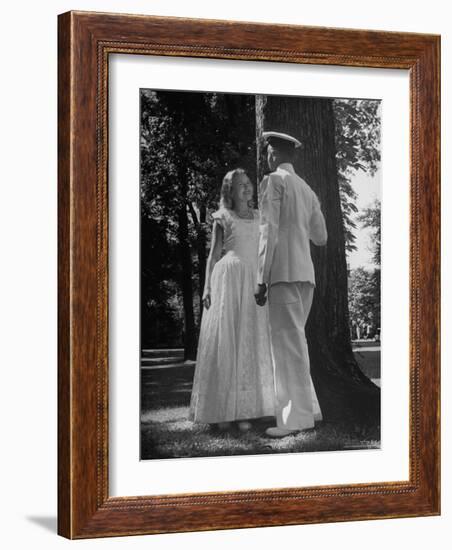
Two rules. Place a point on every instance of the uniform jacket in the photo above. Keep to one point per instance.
(290, 217)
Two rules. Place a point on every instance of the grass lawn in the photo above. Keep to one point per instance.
(166, 432)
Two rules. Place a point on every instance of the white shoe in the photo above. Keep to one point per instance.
(279, 432)
(244, 426)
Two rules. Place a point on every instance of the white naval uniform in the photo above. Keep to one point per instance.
(290, 218)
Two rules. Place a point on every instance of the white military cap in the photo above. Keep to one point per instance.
(280, 136)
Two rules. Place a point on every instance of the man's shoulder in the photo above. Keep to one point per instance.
(272, 180)
(304, 184)
(274, 174)
(275, 177)
(301, 185)
(292, 179)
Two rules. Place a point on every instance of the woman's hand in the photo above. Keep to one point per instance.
(206, 299)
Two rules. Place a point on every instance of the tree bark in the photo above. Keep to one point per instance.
(186, 284)
(202, 255)
(201, 251)
(344, 392)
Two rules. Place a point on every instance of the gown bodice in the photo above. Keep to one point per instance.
(240, 235)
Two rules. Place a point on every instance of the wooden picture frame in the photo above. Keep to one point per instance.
(85, 42)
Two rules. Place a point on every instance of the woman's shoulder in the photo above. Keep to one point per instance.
(222, 214)
(223, 217)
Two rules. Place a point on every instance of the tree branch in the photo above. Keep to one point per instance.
(193, 214)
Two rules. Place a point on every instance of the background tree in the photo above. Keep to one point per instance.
(365, 284)
(164, 189)
(162, 320)
(370, 218)
(357, 136)
(365, 297)
(344, 392)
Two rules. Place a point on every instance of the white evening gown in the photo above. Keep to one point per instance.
(234, 373)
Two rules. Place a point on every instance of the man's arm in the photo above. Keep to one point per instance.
(317, 225)
(269, 226)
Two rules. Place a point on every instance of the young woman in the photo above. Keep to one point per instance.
(234, 374)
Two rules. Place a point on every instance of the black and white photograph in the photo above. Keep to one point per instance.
(260, 274)
(224, 236)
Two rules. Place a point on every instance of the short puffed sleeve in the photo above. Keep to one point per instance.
(223, 217)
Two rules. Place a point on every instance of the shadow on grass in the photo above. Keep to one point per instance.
(166, 387)
(166, 431)
(369, 362)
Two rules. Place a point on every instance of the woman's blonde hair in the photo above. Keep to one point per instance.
(226, 200)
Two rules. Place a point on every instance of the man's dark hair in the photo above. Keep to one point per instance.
(285, 147)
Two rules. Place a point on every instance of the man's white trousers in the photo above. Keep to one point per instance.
(296, 402)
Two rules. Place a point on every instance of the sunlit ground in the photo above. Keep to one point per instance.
(166, 431)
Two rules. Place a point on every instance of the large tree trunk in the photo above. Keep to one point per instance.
(344, 392)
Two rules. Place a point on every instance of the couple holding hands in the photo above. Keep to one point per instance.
(253, 358)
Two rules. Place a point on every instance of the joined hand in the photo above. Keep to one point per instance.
(261, 294)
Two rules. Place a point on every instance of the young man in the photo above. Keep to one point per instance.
(290, 218)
